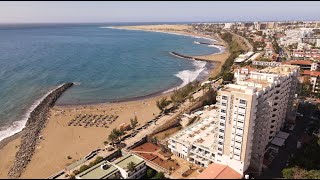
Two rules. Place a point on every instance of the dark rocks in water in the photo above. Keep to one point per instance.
(35, 123)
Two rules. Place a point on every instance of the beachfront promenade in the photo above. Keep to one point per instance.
(164, 119)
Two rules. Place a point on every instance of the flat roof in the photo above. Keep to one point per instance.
(239, 59)
(125, 160)
(219, 171)
(253, 57)
(283, 135)
(96, 172)
(278, 141)
(201, 133)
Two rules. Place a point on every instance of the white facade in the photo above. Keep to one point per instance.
(249, 115)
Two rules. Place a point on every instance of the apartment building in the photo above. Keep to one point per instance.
(312, 53)
(197, 143)
(267, 105)
(314, 79)
(249, 114)
(304, 64)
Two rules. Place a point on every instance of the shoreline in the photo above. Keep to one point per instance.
(123, 106)
(32, 130)
(159, 93)
(210, 65)
(174, 33)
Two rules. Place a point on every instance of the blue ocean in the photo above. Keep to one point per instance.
(106, 64)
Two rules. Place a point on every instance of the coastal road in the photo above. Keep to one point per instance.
(161, 121)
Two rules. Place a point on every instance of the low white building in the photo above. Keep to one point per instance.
(116, 170)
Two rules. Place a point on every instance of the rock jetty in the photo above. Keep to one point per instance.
(30, 134)
(191, 58)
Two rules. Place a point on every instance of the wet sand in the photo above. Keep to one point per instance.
(61, 140)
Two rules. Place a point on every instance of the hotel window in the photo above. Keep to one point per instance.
(221, 143)
(224, 104)
(223, 117)
(221, 130)
(219, 149)
(241, 129)
(242, 101)
(241, 122)
(219, 155)
(224, 97)
(223, 111)
(221, 137)
(222, 124)
(241, 115)
(240, 107)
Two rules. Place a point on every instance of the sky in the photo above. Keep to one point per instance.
(156, 11)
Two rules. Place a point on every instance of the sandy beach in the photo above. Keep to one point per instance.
(60, 140)
(182, 29)
(77, 141)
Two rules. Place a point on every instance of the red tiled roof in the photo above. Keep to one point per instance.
(219, 171)
(311, 73)
(304, 62)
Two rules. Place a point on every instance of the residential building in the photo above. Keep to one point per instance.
(314, 79)
(312, 53)
(249, 115)
(304, 64)
(116, 170)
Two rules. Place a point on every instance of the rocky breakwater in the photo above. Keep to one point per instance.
(30, 134)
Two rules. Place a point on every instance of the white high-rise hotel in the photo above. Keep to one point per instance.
(249, 115)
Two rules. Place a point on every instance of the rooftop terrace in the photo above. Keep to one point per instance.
(125, 160)
(201, 133)
(96, 172)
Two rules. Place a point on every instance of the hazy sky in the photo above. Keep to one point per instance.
(160, 11)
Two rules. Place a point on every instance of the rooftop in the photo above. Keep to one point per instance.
(311, 73)
(219, 171)
(125, 160)
(303, 62)
(96, 172)
(200, 133)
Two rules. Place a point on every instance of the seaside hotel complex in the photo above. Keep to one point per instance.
(248, 116)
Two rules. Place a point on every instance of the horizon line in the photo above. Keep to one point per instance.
(216, 21)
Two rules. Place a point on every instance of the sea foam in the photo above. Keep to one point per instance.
(18, 126)
(188, 76)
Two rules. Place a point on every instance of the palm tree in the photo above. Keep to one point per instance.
(134, 122)
(163, 103)
(112, 137)
(131, 166)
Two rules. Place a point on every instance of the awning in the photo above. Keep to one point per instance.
(278, 141)
(282, 135)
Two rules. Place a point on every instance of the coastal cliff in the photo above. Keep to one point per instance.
(35, 123)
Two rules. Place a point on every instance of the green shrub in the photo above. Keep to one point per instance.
(83, 168)
(98, 160)
(151, 173)
(76, 172)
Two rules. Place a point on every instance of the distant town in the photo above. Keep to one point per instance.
(257, 126)
(256, 116)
